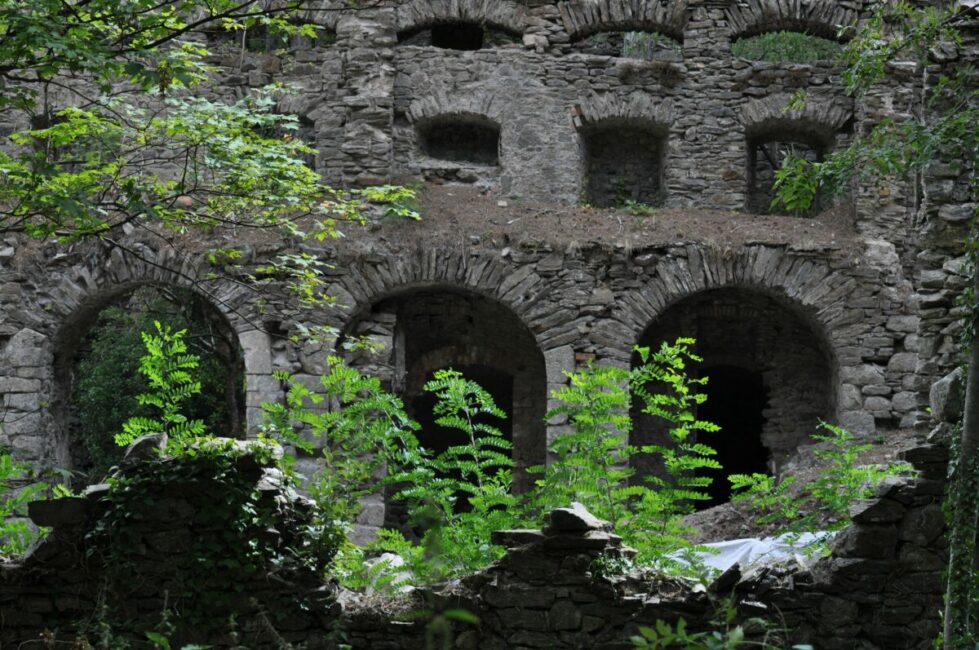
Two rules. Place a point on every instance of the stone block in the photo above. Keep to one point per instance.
(902, 362)
(257, 352)
(575, 519)
(922, 525)
(876, 511)
(945, 397)
(564, 615)
(858, 422)
(59, 513)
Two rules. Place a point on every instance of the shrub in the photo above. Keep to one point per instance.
(787, 47)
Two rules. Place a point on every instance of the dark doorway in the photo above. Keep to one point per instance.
(736, 400)
(459, 140)
(623, 163)
(458, 36)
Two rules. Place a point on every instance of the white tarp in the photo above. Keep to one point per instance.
(753, 551)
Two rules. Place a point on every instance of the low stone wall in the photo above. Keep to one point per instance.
(880, 589)
(204, 558)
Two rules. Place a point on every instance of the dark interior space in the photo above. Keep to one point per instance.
(461, 140)
(736, 400)
(623, 163)
(458, 36)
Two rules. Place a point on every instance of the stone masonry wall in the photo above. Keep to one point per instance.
(880, 589)
(884, 306)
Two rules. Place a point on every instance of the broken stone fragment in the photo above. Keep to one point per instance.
(59, 513)
(575, 519)
(516, 537)
(145, 448)
(945, 397)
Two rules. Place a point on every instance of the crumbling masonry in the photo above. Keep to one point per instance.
(499, 101)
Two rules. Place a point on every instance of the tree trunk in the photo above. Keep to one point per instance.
(963, 487)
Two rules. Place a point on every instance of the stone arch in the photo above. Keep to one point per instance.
(582, 18)
(502, 14)
(771, 133)
(464, 130)
(425, 328)
(810, 289)
(83, 290)
(819, 118)
(478, 105)
(771, 376)
(821, 18)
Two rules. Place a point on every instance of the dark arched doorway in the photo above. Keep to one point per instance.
(769, 378)
(425, 330)
(97, 368)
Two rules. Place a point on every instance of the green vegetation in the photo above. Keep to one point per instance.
(786, 47)
(167, 368)
(823, 504)
(17, 489)
(108, 383)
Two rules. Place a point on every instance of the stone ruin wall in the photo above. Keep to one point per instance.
(880, 589)
(883, 318)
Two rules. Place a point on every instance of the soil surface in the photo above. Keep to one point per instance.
(737, 520)
(460, 214)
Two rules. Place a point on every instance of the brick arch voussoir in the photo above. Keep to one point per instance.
(367, 283)
(584, 17)
(418, 14)
(820, 117)
(482, 106)
(822, 18)
(637, 107)
(806, 286)
(79, 293)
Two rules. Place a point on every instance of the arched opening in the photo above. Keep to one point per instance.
(770, 379)
(736, 401)
(458, 35)
(98, 370)
(786, 47)
(623, 163)
(428, 329)
(467, 139)
(766, 155)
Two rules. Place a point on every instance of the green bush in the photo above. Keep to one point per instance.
(824, 504)
(786, 47)
(595, 466)
(108, 378)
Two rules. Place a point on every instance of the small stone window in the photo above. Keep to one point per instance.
(623, 163)
(634, 45)
(459, 35)
(471, 140)
(765, 157)
(785, 47)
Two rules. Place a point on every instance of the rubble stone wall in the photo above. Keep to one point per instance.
(884, 308)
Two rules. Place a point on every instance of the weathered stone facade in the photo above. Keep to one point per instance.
(853, 332)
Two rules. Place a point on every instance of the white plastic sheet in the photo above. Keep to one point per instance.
(754, 551)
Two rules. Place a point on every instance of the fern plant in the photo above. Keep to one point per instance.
(16, 491)
(778, 501)
(168, 370)
(365, 431)
(590, 463)
(460, 496)
(594, 464)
